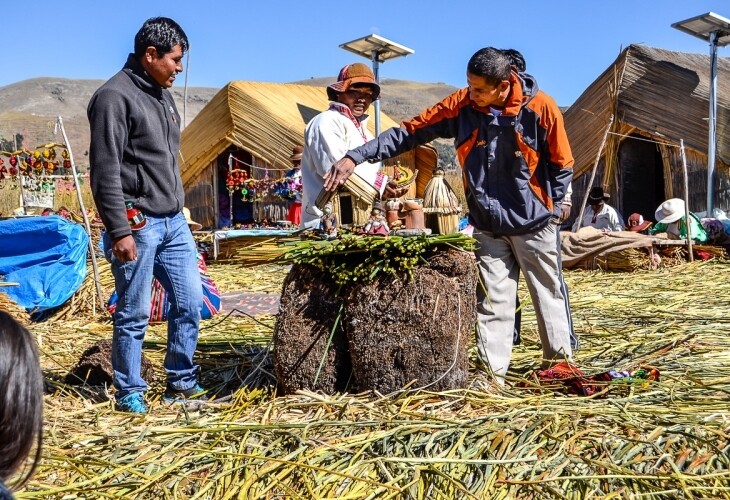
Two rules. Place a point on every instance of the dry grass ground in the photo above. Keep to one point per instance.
(666, 439)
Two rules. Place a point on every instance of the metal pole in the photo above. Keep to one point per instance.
(711, 124)
(686, 201)
(376, 72)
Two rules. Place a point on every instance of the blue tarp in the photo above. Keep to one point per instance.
(46, 255)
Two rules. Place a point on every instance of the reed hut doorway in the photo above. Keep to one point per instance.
(642, 177)
(232, 209)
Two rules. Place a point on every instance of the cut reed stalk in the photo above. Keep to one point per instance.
(663, 439)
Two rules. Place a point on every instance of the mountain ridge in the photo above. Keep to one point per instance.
(31, 107)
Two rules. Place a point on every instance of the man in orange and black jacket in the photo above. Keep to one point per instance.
(517, 165)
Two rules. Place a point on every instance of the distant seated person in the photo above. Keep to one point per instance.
(294, 213)
(637, 224)
(600, 214)
(716, 230)
(670, 219)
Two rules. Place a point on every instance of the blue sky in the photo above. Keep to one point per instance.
(567, 43)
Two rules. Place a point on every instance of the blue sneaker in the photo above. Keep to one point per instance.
(132, 403)
(195, 393)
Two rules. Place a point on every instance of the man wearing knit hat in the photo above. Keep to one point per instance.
(333, 132)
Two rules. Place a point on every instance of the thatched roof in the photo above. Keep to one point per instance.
(265, 119)
(662, 93)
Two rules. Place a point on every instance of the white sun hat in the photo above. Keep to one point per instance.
(194, 226)
(670, 211)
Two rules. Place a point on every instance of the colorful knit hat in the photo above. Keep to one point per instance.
(350, 75)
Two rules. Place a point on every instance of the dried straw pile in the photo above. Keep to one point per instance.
(85, 303)
(95, 366)
(232, 276)
(667, 439)
(252, 251)
(11, 307)
(632, 259)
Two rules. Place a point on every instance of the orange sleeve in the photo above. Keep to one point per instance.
(551, 120)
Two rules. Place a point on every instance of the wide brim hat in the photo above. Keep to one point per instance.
(194, 226)
(350, 75)
(670, 211)
(637, 223)
(597, 195)
(297, 153)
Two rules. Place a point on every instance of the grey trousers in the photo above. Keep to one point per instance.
(500, 260)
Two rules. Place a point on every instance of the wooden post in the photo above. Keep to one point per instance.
(593, 172)
(686, 201)
(92, 250)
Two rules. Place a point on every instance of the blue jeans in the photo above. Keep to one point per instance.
(166, 251)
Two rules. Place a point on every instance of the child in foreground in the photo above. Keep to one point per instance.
(21, 403)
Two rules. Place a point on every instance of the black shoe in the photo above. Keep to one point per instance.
(195, 393)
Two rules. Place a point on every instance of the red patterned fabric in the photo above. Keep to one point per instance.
(160, 304)
(569, 378)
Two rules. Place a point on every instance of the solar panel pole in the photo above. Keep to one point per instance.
(377, 49)
(712, 125)
(376, 72)
(714, 29)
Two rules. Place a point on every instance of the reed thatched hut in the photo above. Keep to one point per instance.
(259, 124)
(658, 98)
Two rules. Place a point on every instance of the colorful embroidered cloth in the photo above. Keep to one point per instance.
(569, 378)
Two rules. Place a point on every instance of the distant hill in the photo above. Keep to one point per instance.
(30, 107)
